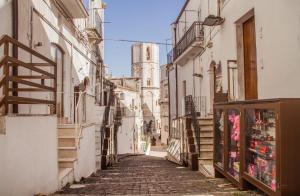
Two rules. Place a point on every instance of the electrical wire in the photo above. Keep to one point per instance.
(137, 41)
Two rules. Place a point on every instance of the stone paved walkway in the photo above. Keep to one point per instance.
(145, 175)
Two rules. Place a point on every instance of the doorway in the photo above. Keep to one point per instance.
(246, 57)
(58, 55)
(250, 65)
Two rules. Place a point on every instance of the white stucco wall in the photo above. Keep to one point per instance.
(79, 60)
(126, 136)
(6, 12)
(86, 163)
(28, 156)
(130, 132)
(277, 26)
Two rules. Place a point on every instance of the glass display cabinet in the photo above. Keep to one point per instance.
(227, 142)
(234, 142)
(219, 137)
(260, 146)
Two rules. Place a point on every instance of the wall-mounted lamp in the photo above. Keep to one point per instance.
(38, 44)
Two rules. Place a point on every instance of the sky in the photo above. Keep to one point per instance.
(142, 20)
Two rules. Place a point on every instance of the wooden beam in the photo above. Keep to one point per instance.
(2, 99)
(2, 61)
(25, 100)
(2, 80)
(29, 50)
(33, 77)
(41, 64)
(17, 62)
(27, 90)
(17, 80)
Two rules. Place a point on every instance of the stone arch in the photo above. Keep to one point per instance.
(211, 73)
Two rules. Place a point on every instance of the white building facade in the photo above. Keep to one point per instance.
(219, 64)
(164, 104)
(130, 135)
(145, 65)
(58, 87)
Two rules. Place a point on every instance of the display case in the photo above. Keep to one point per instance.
(219, 138)
(261, 144)
(227, 142)
(234, 142)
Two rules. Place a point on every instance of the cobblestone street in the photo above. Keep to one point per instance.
(145, 175)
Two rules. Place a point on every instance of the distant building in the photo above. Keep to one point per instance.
(164, 104)
(129, 109)
(145, 65)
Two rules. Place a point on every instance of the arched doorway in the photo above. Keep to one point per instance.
(211, 73)
(58, 56)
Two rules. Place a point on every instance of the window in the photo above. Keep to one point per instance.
(148, 54)
(132, 104)
(122, 96)
(148, 82)
(184, 88)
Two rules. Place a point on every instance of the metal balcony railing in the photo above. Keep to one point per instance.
(94, 24)
(170, 57)
(196, 104)
(193, 34)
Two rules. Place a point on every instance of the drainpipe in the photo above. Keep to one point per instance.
(15, 35)
(219, 8)
(169, 102)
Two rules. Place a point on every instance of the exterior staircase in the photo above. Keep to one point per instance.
(67, 152)
(192, 152)
(206, 145)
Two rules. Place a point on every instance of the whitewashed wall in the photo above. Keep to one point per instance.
(28, 156)
(277, 26)
(78, 59)
(130, 132)
(6, 12)
(86, 163)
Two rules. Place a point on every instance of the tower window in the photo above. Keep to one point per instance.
(148, 82)
(148, 53)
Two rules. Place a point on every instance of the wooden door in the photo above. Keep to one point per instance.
(250, 69)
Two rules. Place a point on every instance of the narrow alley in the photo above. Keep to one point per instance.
(146, 175)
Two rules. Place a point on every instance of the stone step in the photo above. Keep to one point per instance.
(206, 134)
(67, 152)
(207, 149)
(205, 140)
(67, 132)
(67, 141)
(206, 154)
(207, 127)
(204, 161)
(66, 162)
(206, 146)
(205, 122)
(66, 175)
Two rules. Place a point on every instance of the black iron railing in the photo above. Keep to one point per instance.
(192, 113)
(194, 33)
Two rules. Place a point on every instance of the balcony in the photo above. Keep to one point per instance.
(74, 8)
(94, 27)
(195, 105)
(190, 45)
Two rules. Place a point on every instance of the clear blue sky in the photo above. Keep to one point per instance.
(145, 20)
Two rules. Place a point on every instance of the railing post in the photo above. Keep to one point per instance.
(55, 89)
(6, 73)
